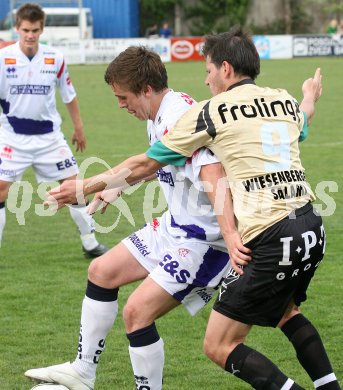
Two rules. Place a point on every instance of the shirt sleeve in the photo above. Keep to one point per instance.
(161, 153)
(304, 131)
(67, 90)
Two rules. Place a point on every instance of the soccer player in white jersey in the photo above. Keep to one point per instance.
(181, 256)
(30, 132)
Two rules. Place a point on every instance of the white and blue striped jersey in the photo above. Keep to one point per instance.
(190, 213)
(27, 90)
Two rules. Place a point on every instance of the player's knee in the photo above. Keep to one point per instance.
(93, 269)
(132, 316)
(98, 273)
(218, 350)
(288, 315)
(211, 350)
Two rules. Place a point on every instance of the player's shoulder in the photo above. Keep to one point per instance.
(185, 98)
(272, 93)
(178, 100)
(9, 50)
(175, 104)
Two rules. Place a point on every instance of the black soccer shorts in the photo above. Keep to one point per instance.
(284, 259)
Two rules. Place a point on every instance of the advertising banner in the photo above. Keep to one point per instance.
(186, 49)
(317, 45)
(273, 46)
(5, 43)
(103, 51)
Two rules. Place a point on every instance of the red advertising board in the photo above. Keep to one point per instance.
(186, 49)
(4, 43)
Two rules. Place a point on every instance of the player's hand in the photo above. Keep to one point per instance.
(102, 199)
(79, 139)
(312, 87)
(239, 254)
(69, 192)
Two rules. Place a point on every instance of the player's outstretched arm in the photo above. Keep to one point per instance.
(215, 182)
(103, 198)
(127, 173)
(312, 90)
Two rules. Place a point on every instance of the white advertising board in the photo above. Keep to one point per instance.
(103, 51)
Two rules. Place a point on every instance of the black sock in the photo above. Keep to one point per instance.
(257, 370)
(311, 352)
(144, 336)
(102, 294)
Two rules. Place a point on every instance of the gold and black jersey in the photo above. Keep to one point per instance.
(254, 132)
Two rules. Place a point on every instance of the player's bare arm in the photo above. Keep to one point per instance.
(219, 194)
(103, 198)
(129, 172)
(78, 137)
(312, 90)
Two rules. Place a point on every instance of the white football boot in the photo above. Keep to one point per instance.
(63, 374)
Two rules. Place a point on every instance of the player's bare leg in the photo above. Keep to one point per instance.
(147, 303)
(224, 344)
(106, 274)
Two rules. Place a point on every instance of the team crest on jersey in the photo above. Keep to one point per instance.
(6, 152)
(183, 252)
(49, 61)
(10, 61)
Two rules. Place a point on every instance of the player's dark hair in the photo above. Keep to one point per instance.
(31, 12)
(135, 68)
(235, 47)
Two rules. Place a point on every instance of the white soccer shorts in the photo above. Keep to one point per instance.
(188, 269)
(48, 154)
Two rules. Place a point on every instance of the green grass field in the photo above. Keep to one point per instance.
(43, 274)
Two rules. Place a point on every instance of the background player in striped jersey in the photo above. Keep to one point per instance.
(30, 133)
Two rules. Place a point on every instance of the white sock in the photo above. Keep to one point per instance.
(2, 221)
(97, 319)
(147, 364)
(85, 224)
